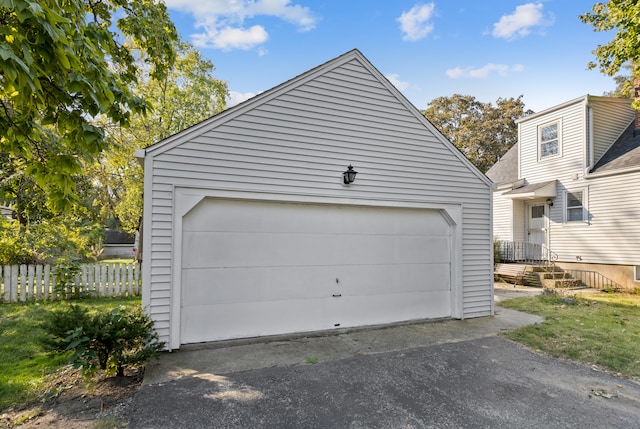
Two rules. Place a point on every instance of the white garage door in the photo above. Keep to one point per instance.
(256, 268)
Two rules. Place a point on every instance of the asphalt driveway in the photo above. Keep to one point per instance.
(448, 374)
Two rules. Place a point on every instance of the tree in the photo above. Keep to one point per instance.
(187, 94)
(482, 132)
(624, 85)
(64, 63)
(624, 17)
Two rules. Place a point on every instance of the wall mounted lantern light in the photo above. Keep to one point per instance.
(349, 176)
(549, 202)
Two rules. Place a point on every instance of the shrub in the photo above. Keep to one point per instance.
(48, 241)
(109, 341)
(60, 324)
(65, 280)
(13, 248)
(497, 253)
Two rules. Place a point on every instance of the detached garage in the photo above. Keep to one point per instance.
(253, 227)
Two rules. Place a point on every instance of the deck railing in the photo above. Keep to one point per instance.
(524, 252)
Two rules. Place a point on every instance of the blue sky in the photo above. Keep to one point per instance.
(487, 49)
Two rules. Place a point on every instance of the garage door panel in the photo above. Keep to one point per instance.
(244, 216)
(384, 220)
(214, 249)
(253, 284)
(383, 279)
(252, 319)
(382, 249)
(392, 307)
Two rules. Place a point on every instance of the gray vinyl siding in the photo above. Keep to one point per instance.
(299, 142)
(612, 235)
(610, 118)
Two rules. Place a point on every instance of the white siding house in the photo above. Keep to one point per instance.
(569, 185)
(250, 230)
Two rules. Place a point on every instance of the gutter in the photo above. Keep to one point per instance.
(589, 175)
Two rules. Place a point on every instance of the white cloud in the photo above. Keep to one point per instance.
(416, 23)
(395, 80)
(223, 21)
(521, 21)
(236, 97)
(228, 38)
(483, 72)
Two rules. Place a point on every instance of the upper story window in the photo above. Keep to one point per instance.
(549, 140)
(574, 202)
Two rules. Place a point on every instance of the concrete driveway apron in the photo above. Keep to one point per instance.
(447, 374)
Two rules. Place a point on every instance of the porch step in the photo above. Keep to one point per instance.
(561, 275)
(552, 277)
(510, 273)
(516, 274)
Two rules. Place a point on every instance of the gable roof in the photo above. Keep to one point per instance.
(623, 153)
(264, 97)
(506, 169)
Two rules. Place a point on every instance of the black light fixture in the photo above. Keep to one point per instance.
(549, 202)
(349, 176)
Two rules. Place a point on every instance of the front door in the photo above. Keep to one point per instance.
(536, 234)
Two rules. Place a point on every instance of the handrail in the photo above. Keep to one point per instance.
(593, 279)
(524, 252)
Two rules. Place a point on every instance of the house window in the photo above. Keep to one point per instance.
(636, 273)
(549, 140)
(537, 212)
(574, 202)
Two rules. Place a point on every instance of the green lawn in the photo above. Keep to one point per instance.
(601, 329)
(23, 360)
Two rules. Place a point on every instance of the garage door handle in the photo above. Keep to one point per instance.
(337, 295)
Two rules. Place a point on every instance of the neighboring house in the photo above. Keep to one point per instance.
(7, 212)
(251, 230)
(570, 185)
(119, 244)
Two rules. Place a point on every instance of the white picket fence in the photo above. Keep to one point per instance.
(22, 283)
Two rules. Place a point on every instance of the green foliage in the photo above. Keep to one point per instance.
(13, 248)
(624, 85)
(59, 324)
(481, 131)
(497, 254)
(49, 241)
(622, 16)
(63, 64)
(65, 280)
(25, 358)
(188, 93)
(109, 340)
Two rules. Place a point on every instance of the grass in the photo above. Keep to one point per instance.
(118, 261)
(24, 361)
(602, 330)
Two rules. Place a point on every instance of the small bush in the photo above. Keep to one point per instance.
(65, 280)
(60, 324)
(108, 341)
(497, 253)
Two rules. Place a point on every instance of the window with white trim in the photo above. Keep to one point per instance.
(636, 273)
(549, 140)
(574, 203)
